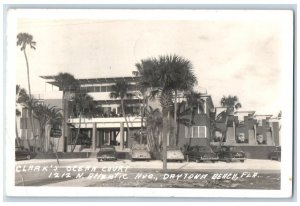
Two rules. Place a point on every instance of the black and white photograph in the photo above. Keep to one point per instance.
(149, 103)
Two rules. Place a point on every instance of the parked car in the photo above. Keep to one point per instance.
(140, 152)
(200, 154)
(231, 153)
(106, 153)
(22, 153)
(174, 154)
(276, 154)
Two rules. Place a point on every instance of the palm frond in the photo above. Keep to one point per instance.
(24, 39)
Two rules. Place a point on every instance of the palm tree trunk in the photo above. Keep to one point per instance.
(64, 118)
(149, 142)
(77, 134)
(123, 112)
(164, 138)
(29, 93)
(175, 118)
(189, 129)
(28, 76)
(41, 139)
(56, 148)
(156, 139)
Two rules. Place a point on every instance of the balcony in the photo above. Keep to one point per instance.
(106, 122)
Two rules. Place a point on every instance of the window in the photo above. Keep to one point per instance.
(109, 89)
(132, 87)
(97, 89)
(103, 88)
(90, 89)
(83, 89)
(195, 132)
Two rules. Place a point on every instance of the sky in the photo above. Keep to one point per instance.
(240, 55)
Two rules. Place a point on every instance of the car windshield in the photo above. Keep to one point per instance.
(21, 149)
(139, 147)
(170, 148)
(205, 149)
(231, 149)
(228, 149)
(107, 149)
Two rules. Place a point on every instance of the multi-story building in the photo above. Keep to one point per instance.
(210, 125)
(107, 125)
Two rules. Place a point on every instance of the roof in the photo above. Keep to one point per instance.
(94, 80)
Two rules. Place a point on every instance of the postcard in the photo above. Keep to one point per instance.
(149, 103)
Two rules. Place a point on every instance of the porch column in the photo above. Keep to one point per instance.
(94, 136)
(272, 136)
(122, 135)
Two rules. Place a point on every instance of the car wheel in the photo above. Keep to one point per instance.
(242, 160)
(213, 161)
(28, 157)
(98, 160)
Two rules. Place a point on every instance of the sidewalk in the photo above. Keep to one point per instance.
(248, 165)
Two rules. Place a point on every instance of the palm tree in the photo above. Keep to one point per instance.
(194, 103)
(39, 113)
(83, 104)
(43, 114)
(120, 90)
(154, 126)
(231, 102)
(21, 95)
(31, 104)
(55, 120)
(154, 75)
(166, 76)
(24, 39)
(67, 84)
(179, 76)
(144, 87)
(166, 103)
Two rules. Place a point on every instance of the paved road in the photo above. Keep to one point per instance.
(258, 174)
